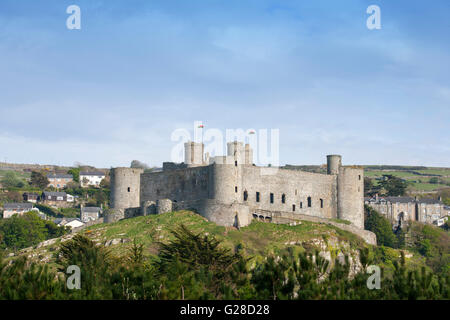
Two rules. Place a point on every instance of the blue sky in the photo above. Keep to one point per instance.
(115, 90)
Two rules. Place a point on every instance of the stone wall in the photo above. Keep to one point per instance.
(177, 185)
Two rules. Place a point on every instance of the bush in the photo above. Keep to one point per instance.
(381, 226)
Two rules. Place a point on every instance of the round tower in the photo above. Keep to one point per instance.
(350, 195)
(193, 153)
(334, 162)
(125, 188)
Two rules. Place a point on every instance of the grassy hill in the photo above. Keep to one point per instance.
(258, 240)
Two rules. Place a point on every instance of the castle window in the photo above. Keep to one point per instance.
(257, 197)
(129, 190)
(309, 202)
(271, 198)
(293, 207)
(283, 198)
(321, 203)
(245, 195)
(235, 163)
(301, 204)
(359, 177)
(235, 189)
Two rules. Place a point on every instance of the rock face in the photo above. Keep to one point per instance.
(333, 248)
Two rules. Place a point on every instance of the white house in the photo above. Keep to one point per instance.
(69, 222)
(10, 209)
(91, 178)
(90, 213)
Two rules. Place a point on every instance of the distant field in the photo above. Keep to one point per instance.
(419, 179)
(20, 174)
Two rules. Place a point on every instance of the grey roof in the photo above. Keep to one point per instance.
(31, 193)
(18, 206)
(54, 194)
(67, 220)
(91, 209)
(429, 201)
(400, 199)
(59, 176)
(404, 200)
(93, 173)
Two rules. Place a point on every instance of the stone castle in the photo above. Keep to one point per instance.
(401, 210)
(231, 191)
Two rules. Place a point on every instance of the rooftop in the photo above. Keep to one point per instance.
(18, 206)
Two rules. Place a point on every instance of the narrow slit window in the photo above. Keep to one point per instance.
(235, 189)
(245, 195)
(293, 207)
(321, 203)
(129, 189)
(283, 198)
(309, 202)
(271, 198)
(301, 205)
(257, 197)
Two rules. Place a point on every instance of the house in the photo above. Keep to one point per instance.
(49, 196)
(31, 197)
(400, 209)
(10, 209)
(69, 222)
(58, 180)
(90, 213)
(91, 178)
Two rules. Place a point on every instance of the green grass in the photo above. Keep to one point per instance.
(258, 238)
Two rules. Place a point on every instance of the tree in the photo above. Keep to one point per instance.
(369, 187)
(75, 172)
(11, 180)
(138, 164)
(22, 231)
(393, 185)
(381, 226)
(39, 180)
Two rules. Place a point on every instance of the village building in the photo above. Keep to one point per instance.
(10, 209)
(31, 197)
(401, 209)
(58, 180)
(90, 213)
(69, 222)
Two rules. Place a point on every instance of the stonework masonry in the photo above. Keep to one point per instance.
(231, 191)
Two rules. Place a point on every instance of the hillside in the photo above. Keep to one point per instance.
(257, 241)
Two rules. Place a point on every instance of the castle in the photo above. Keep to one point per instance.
(400, 210)
(231, 191)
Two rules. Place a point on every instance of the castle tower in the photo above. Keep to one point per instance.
(125, 189)
(236, 150)
(334, 162)
(350, 195)
(193, 154)
(248, 154)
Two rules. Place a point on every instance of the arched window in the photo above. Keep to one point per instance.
(309, 202)
(283, 198)
(245, 195)
(293, 207)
